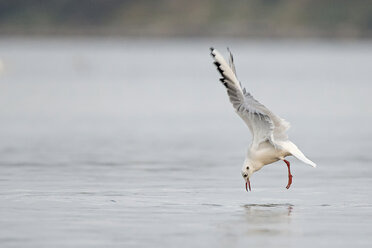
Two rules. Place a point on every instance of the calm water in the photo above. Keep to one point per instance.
(125, 143)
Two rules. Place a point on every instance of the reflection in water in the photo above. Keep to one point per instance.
(272, 219)
(260, 225)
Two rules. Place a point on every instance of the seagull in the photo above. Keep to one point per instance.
(270, 142)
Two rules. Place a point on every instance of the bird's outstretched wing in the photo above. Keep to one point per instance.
(263, 124)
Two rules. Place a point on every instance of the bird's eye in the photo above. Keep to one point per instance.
(245, 175)
(247, 167)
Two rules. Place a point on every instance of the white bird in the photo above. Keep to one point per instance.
(270, 142)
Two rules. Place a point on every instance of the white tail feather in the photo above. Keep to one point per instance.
(293, 149)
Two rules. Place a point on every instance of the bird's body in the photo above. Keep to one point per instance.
(270, 142)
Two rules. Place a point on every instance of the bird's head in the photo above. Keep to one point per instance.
(247, 172)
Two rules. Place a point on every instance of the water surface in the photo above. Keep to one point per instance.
(133, 143)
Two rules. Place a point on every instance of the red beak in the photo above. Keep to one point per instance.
(248, 184)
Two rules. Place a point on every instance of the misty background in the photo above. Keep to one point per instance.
(115, 131)
(165, 18)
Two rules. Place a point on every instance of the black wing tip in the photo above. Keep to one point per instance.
(231, 55)
(222, 80)
(219, 68)
(212, 50)
(217, 64)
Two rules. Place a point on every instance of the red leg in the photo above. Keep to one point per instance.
(289, 174)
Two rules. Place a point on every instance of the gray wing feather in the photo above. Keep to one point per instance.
(263, 124)
(231, 61)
